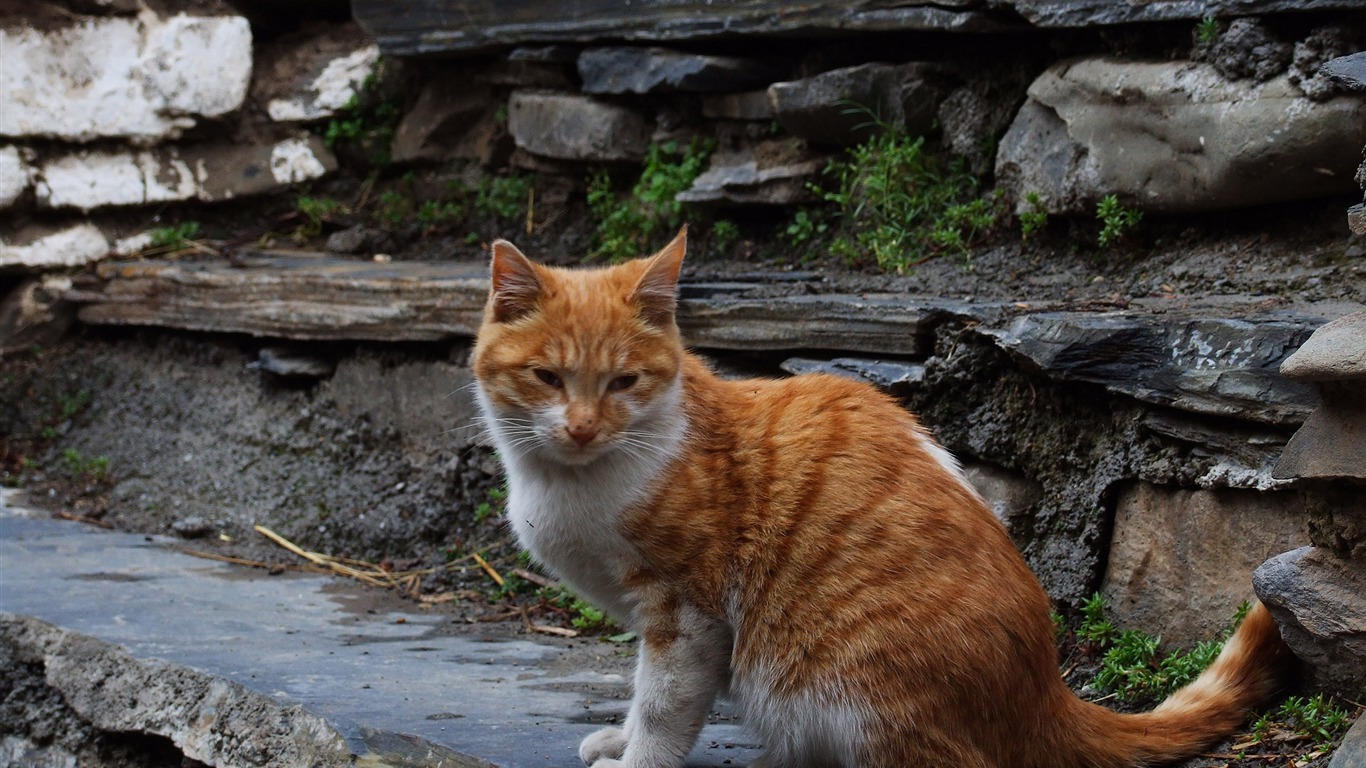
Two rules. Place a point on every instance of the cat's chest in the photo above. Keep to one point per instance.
(570, 524)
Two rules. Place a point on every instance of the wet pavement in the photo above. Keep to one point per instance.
(377, 676)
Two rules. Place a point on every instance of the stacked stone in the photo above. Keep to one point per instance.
(1318, 593)
(105, 114)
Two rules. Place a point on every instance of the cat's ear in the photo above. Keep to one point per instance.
(515, 287)
(657, 292)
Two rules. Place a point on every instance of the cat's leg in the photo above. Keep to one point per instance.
(684, 661)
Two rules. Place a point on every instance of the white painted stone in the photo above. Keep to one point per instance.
(89, 180)
(133, 244)
(144, 78)
(334, 87)
(15, 175)
(71, 247)
(294, 160)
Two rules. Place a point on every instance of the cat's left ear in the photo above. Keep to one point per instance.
(515, 287)
(657, 292)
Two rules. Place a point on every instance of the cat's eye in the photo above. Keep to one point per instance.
(622, 382)
(549, 378)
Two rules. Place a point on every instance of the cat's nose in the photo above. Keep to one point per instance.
(582, 434)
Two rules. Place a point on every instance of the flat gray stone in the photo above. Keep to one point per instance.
(750, 105)
(1332, 443)
(407, 28)
(336, 672)
(1087, 13)
(1335, 352)
(1319, 602)
(1348, 71)
(1216, 366)
(630, 69)
(565, 126)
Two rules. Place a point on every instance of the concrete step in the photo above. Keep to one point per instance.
(239, 668)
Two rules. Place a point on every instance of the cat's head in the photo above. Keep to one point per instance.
(575, 364)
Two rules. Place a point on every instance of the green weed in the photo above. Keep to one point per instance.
(315, 211)
(436, 212)
(394, 207)
(365, 123)
(1207, 30)
(627, 226)
(900, 205)
(724, 235)
(493, 506)
(806, 225)
(502, 196)
(175, 237)
(80, 468)
(1315, 718)
(1134, 666)
(583, 616)
(1034, 220)
(1116, 220)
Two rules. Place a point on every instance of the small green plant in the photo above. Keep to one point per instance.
(805, 225)
(583, 616)
(1116, 220)
(502, 196)
(900, 205)
(394, 207)
(493, 506)
(74, 404)
(80, 468)
(1034, 220)
(1207, 30)
(724, 235)
(436, 212)
(1315, 718)
(315, 211)
(365, 122)
(627, 227)
(175, 237)
(1134, 666)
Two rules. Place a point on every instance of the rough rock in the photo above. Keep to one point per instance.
(842, 106)
(88, 180)
(1332, 442)
(1319, 601)
(72, 246)
(311, 77)
(293, 364)
(209, 719)
(193, 527)
(892, 377)
(452, 117)
(144, 78)
(33, 313)
(770, 173)
(1351, 753)
(750, 105)
(1225, 367)
(629, 69)
(404, 28)
(1010, 495)
(1181, 561)
(1087, 13)
(1312, 54)
(1175, 137)
(15, 175)
(1336, 351)
(1248, 49)
(975, 115)
(566, 126)
(360, 239)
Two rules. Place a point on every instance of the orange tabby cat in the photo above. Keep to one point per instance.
(802, 546)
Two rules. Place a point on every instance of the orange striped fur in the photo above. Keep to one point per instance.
(801, 545)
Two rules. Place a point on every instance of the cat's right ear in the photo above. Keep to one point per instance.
(515, 288)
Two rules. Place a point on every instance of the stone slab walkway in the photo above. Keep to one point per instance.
(397, 691)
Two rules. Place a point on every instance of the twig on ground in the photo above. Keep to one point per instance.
(543, 629)
(497, 577)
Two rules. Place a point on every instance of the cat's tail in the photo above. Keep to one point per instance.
(1247, 673)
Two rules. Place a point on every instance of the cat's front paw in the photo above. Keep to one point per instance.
(606, 743)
